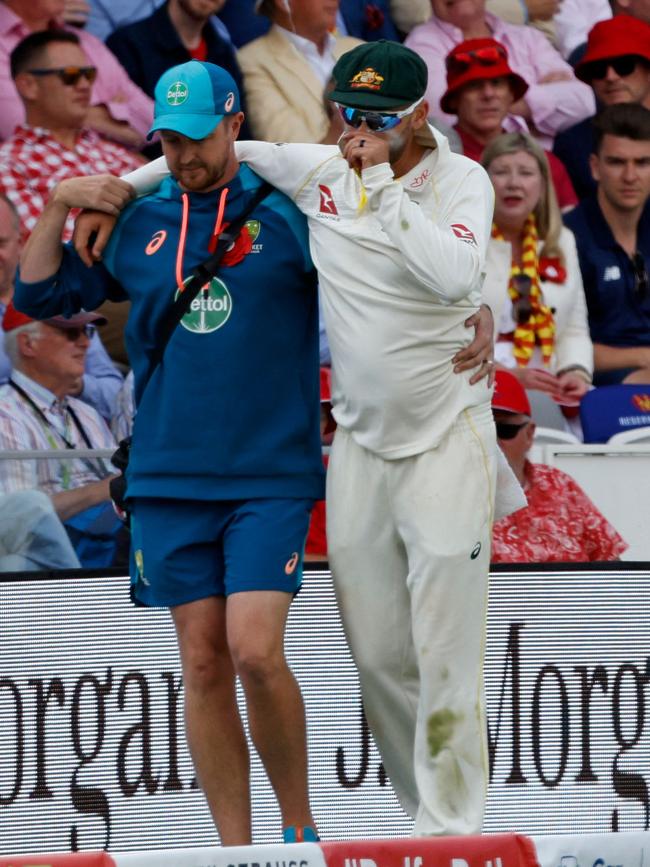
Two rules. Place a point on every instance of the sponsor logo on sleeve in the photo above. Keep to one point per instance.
(463, 233)
(327, 204)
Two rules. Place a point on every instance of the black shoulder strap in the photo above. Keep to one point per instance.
(200, 276)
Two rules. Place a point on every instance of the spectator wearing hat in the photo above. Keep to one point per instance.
(555, 99)
(287, 69)
(612, 230)
(118, 109)
(38, 410)
(481, 88)
(617, 66)
(101, 380)
(533, 282)
(560, 523)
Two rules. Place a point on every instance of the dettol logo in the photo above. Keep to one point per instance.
(210, 309)
(177, 93)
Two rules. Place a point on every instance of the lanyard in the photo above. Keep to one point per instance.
(218, 226)
(51, 428)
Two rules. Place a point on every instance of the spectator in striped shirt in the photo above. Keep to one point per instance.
(37, 412)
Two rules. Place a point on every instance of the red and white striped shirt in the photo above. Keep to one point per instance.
(32, 163)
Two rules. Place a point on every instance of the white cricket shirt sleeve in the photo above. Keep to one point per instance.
(447, 259)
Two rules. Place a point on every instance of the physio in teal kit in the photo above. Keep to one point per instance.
(225, 460)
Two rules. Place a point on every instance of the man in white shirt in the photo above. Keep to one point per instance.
(399, 227)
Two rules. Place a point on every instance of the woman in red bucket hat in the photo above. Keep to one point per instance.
(481, 89)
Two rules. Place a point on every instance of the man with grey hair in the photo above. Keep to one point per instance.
(37, 412)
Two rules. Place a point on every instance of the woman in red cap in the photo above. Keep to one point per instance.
(533, 281)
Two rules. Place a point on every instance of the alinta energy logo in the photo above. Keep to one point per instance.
(210, 310)
(177, 93)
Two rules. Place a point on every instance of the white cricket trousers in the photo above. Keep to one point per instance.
(409, 548)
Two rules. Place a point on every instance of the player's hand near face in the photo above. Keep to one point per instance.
(362, 150)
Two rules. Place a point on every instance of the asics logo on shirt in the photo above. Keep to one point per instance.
(156, 242)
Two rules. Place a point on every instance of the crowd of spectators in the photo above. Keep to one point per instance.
(552, 96)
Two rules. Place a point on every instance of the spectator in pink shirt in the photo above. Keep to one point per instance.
(555, 99)
(120, 110)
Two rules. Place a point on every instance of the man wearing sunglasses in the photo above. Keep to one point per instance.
(38, 410)
(617, 66)
(612, 230)
(398, 228)
(54, 79)
(119, 109)
(560, 523)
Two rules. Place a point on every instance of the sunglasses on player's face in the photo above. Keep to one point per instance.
(376, 121)
(488, 56)
(69, 75)
(622, 66)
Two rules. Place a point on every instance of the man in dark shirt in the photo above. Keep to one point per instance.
(180, 30)
(617, 66)
(612, 230)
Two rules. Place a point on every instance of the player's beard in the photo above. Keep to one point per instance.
(205, 178)
(397, 144)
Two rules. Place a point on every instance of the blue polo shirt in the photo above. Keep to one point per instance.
(618, 316)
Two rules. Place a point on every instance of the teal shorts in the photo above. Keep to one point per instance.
(184, 550)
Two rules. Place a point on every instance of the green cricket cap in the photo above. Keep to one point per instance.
(378, 75)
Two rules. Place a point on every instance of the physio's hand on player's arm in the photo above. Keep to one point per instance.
(92, 229)
(363, 150)
(99, 192)
(480, 352)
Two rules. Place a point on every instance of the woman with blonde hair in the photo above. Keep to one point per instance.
(533, 282)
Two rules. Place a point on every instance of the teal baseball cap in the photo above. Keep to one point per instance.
(193, 98)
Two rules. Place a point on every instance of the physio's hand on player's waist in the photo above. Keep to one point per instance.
(362, 150)
(92, 230)
(480, 352)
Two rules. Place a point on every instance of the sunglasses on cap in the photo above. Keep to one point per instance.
(69, 75)
(487, 56)
(622, 66)
(508, 431)
(376, 121)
